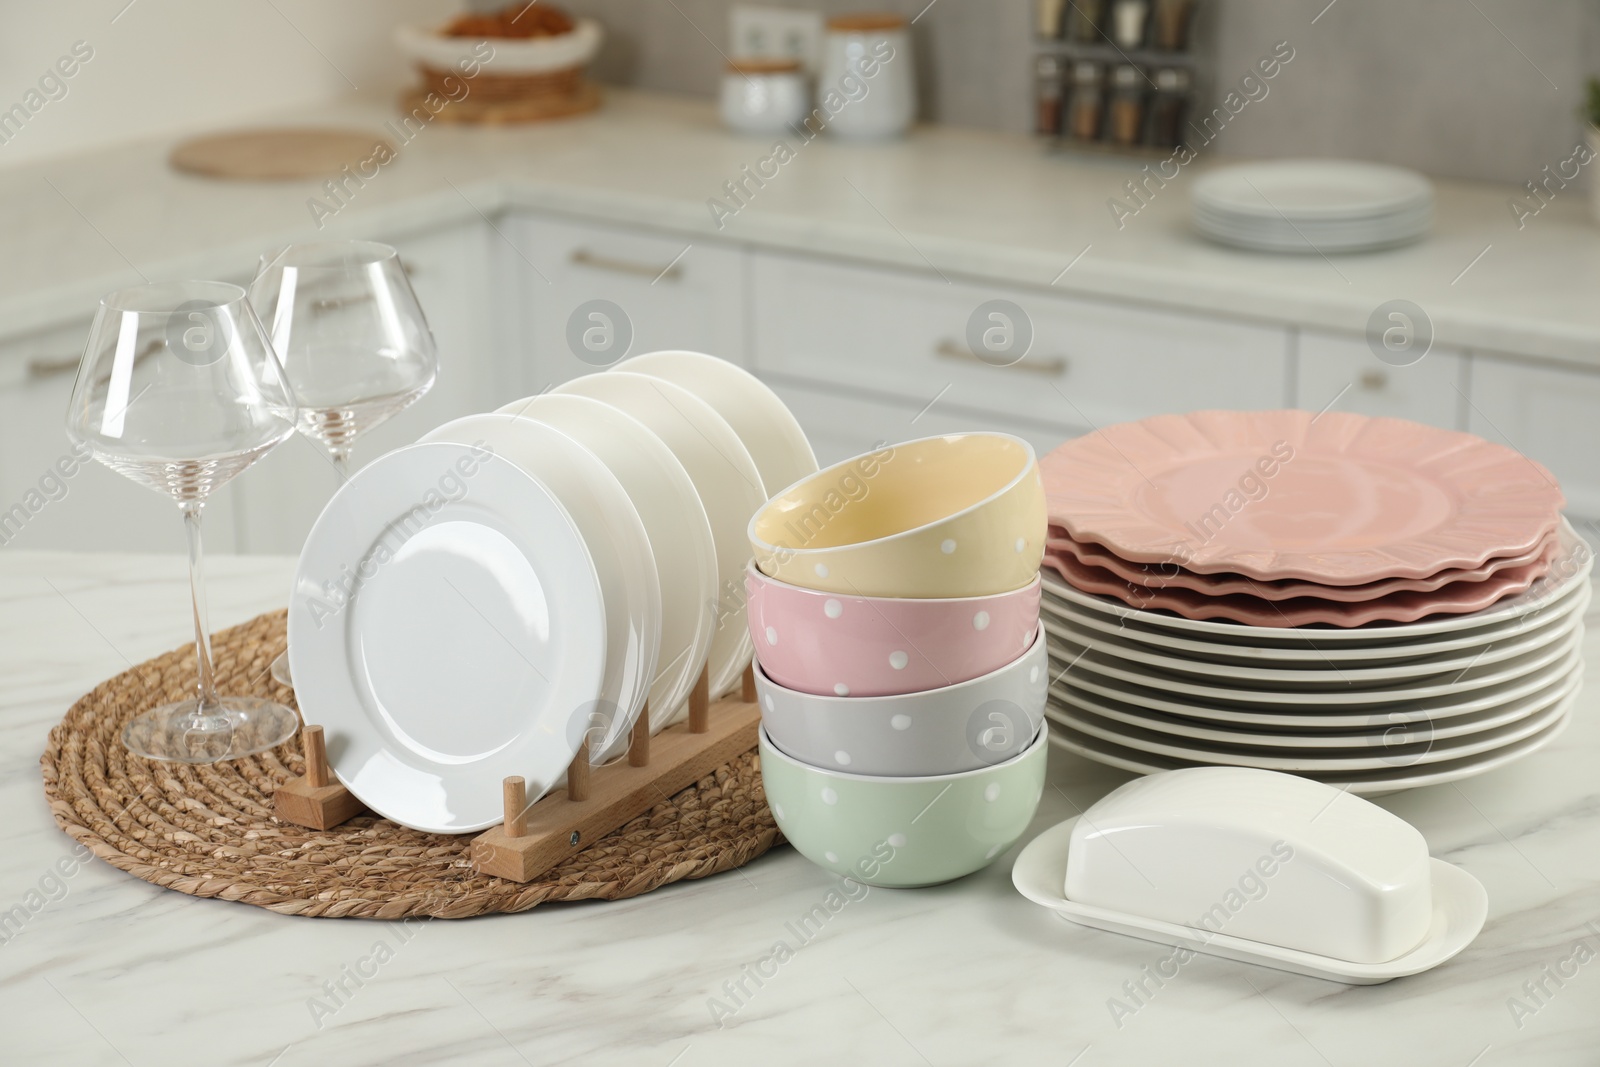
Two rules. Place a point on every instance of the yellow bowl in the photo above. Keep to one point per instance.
(952, 516)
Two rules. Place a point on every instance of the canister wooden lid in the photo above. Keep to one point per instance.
(866, 23)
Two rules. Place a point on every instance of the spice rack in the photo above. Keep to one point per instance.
(1117, 76)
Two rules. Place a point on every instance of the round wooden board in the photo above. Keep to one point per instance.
(275, 155)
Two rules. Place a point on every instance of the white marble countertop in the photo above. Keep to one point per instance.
(984, 205)
(116, 971)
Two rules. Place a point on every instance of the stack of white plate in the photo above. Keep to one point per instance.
(514, 588)
(1313, 206)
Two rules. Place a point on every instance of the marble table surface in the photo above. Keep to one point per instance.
(111, 970)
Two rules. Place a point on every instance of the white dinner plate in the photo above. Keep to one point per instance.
(1329, 675)
(1309, 189)
(1568, 573)
(1362, 783)
(446, 629)
(1389, 729)
(724, 475)
(1311, 652)
(675, 521)
(617, 543)
(763, 422)
(1299, 716)
(1476, 677)
(1460, 907)
(1375, 754)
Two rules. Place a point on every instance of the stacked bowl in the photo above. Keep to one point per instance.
(901, 668)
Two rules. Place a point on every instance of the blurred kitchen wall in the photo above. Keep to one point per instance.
(1477, 89)
(166, 65)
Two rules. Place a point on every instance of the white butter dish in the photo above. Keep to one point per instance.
(1261, 867)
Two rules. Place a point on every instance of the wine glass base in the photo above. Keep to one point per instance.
(232, 728)
(280, 671)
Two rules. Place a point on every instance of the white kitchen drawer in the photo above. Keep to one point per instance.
(675, 293)
(1341, 366)
(1548, 413)
(1090, 364)
(282, 495)
(92, 508)
(841, 425)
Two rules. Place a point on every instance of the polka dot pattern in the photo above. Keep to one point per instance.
(898, 660)
(842, 758)
(897, 840)
(829, 797)
(832, 609)
(901, 722)
(831, 857)
(980, 621)
(947, 546)
(821, 569)
(841, 690)
(991, 792)
(772, 636)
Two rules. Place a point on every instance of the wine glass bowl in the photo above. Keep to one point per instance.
(180, 391)
(350, 334)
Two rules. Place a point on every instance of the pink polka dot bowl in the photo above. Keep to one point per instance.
(831, 644)
(977, 723)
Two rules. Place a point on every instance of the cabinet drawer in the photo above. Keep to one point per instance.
(905, 334)
(1547, 413)
(841, 425)
(674, 292)
(1337, 366)
(49, 499)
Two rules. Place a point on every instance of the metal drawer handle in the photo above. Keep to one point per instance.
(1051, 368)
(585, 258)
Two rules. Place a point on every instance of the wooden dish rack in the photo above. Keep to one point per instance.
(597, 800)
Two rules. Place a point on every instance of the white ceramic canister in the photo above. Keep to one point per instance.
(867, 86)
(764, 96)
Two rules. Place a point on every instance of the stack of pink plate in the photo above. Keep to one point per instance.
(1366, 601)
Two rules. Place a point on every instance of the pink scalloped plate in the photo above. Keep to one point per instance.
(1171, 576)
(1336, 498)
(1405, 606)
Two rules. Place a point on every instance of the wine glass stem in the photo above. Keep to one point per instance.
(197, 598)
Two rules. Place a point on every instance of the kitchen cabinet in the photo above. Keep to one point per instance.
(1342, 371)
(1546, 412)
(450, 269)
(842, 425)
(664, 292)
(1090, 364)
(51, 500)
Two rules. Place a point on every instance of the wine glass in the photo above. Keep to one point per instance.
(352, 339)
(180, 390)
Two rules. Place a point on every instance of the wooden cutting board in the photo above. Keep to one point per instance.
(274, 154)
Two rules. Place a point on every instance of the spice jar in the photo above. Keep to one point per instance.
(1087, 101)
(1128, 19)
(1048, 91)
(1171, 24)
(1167, 107)
(1127, 104)
(1048, 14)
(1084, 20)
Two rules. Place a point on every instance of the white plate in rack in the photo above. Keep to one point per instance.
(446, 623)
(617, 543)
(674, 520)
(724, 475)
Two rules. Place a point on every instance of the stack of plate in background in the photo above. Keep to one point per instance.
(1368, 602)
(1313, 206)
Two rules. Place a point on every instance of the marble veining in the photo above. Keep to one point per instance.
(111, 970)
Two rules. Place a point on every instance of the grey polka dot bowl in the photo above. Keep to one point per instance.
(973, 724)
(900, 833)
(832, 644)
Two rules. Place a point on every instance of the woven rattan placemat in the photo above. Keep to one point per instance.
(209, 831)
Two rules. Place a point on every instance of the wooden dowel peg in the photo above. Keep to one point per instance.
(516, 805)
(639, 745)
(747, 690)
(578, 775)
(316, 747)
(700, 702)
(316, 799)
